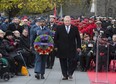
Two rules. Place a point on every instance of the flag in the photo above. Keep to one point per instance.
(55, 10)
(61, 13)
(93, 6)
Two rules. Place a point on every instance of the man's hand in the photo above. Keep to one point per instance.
(78, 49)
(55, 49)
(30, 48)
(15, 43)
(0, 55)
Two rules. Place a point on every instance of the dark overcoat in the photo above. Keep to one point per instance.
(67, 43)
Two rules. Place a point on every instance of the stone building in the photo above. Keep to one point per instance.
(104, 8)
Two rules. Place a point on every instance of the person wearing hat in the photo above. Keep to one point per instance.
(50, 59)
(25, 25)
(98, 30)
(5, 54)
(111, 30)
(40, 65)
(2, 33)
(52, 25)
(12, 47)
(52, 16)
(87, 52)
(102, 54)
(33, 31)
(14, 25)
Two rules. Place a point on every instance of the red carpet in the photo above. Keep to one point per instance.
(102, 77)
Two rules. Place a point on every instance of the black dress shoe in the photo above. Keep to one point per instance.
(65, 78)
(47, 67)
(70, 77)
(42, 77)
(37, 76)
(50, 67)
(85, 70)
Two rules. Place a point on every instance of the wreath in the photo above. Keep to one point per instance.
(43, 44)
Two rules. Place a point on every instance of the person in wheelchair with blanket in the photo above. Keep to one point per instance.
(11, 47)
(4, 68)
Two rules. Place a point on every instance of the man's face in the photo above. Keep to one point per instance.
(25, 33)
(43, 23)
(9, 37)
(2, 35)
(6, 20)
(16, 20)
(86, 38)
(98, 25)
(38, 23)
(115, 24)
(67, 21)
(17, 33)
(114, 38)
(25, 22)
(81, 35)
(52, 20)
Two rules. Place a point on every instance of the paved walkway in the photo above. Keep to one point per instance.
(52, 76)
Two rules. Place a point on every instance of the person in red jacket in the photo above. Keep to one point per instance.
(90, 27)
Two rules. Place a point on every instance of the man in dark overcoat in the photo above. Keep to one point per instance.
(67, 43)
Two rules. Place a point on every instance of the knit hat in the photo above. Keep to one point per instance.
(8, 33)
(103, 37)
(2, 31)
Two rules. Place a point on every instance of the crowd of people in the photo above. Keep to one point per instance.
(91, 34)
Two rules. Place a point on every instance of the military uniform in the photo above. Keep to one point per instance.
(40, 60)
(87, 53)
(102, 55)
(112, 52)
(51, 58)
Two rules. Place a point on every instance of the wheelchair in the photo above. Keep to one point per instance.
(4, 71)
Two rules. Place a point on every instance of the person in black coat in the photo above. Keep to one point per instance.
(25, 46)
(25, 25)
(112, 51)
(67, 43)
(11, 47)
(15, 25)
(111, 30)
(102, 54)
(114, 28)
(6, 55)
(87, 52)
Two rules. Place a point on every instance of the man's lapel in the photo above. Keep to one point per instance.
(64, 29)
(70, 29)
